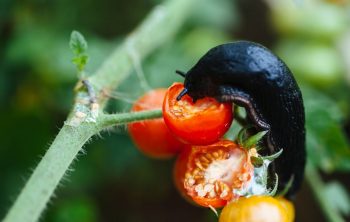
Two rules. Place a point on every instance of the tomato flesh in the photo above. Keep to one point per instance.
(200, 123)
(153, 137)
(210, 174)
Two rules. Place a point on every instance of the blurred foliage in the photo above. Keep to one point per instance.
(115, 182)
(339, 197)
(310, 19)
(304, 56)
(327, 143)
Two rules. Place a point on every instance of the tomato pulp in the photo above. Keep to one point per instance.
(210, 174)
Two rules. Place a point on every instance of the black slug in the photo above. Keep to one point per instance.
(251, 76)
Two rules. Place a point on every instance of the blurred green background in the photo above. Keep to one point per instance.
(113, 181)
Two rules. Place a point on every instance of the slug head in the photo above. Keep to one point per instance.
(199, 84)
(221, 65)
(243, 65)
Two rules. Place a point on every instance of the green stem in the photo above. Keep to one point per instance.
(160, 26)
(317, 186)
(57, 159)
(239, 118)
(40, 186)
(108, 120)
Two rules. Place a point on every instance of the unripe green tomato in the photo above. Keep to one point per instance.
(314, 63)
(315, 20)
(199, 40)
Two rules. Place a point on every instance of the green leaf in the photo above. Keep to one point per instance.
(338, 196)
(327, 145)
(241, 136)
(232, 133)
(80, 61)
(253, 140)
(78, 43)
(79, 46)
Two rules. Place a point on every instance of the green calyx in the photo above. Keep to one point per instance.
(249, 142)
(258, 161)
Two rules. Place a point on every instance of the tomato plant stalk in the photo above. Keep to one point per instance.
(85, 120)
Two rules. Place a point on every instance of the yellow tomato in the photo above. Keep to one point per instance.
(255, 209)
(289, 208)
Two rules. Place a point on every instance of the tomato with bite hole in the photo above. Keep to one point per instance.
(198, 123)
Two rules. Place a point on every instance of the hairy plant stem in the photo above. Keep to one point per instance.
(317, 186)
(108, 120)
(57, 159)
(161, 25)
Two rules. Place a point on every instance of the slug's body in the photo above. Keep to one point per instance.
(251, 76)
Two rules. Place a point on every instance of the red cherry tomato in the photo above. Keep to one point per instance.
(152, 137)
(200, 123)
(255, 209)
(210, 174)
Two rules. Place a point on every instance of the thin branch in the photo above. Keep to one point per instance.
(108, 120)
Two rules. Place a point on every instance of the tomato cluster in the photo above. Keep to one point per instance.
(209, 171)
(184, 122)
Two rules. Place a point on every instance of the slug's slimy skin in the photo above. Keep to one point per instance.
(251, 76)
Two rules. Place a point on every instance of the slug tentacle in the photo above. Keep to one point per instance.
(182, 93)
(181, 73)
(251, 76)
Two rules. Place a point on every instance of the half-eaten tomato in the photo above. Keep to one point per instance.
(153, 137)
(200, 123)
(211, 174)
